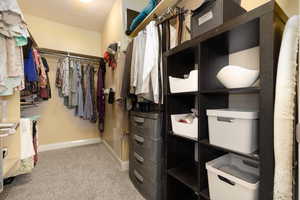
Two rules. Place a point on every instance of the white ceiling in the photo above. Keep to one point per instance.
(89, 16)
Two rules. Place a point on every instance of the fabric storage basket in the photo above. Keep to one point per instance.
(184, 129)
(234, 129)
(233, 177)
(190, 84)
(213, 13)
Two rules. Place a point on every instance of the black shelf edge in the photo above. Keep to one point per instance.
(231, 24)
(183, 137)
(187, 175)
(205, 194)
(253, 156)
(183, 94)
(248, 90)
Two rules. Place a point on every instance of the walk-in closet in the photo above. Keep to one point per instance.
(149, 99)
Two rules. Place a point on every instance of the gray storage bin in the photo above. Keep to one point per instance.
(149, 149)
(147, 168)
(151, 128)
(233, 177)
(212, 14)
(145, 158)
(149, 190)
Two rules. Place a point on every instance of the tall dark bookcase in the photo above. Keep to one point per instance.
(263, 27)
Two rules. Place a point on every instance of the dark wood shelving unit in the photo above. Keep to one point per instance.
(254, 156)
(183, 137)
(204, 194)
(209, 52)
(186, 174)
(183, 94)
(249, 90)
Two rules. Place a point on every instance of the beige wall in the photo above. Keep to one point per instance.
(113, 28)
(53, 35)
(291, 7)
(115, 117)
(58, 123)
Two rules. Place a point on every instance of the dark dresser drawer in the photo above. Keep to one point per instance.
(146, 167)
(147, 148)
(149, 190)
(150, 127)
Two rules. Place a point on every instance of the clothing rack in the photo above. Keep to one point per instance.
(52, 52)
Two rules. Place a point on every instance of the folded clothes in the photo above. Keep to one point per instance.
(145, 12)
(188, 119)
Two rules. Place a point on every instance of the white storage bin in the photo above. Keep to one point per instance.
(233, 177)
(184, 129)
(180, 85)
(234, 129)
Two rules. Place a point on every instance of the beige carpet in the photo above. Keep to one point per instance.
(83, 173)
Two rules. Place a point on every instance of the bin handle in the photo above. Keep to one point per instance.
(138, 177)
(225, 119)
(139, 120)
(139, 158)
(139, 139)
(226, 180)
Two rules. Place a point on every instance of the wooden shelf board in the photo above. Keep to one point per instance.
(253, 156)
(227, 26)
(187, 175)
(247, 90)
(183, 94)
(183, 137)
(158, 10)
(205, 194)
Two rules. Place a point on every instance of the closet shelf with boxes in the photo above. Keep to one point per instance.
(219, 121)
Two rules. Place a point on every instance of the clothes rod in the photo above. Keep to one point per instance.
(69, 54)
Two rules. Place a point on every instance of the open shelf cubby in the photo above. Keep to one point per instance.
(257, 33)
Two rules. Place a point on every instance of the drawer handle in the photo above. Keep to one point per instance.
(225, 119)
(139, 120)
(226, 180)
(138, 177)
(139, 139)
(139, 158)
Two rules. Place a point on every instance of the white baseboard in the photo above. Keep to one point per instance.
(123, 165)
(63, 145)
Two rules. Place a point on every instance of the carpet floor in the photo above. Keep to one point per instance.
(80, 173)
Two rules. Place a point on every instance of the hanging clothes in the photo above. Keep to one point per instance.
(100, 95)
(145, 65)
(12, 26)
(72, 84)
(3, 61)
(138, 58)
(119, 75)
(65, 77)
(12, 22)
(127, 70)
(11, 67)
(79, 92)
(48, 88)
(76, 84)
(89, 111)
(150, 69)
(30, 68)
